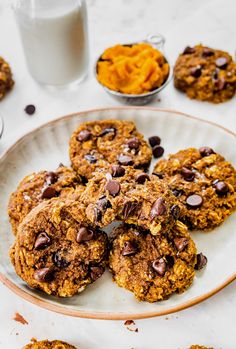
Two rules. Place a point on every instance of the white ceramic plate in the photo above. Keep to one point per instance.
(47, 146)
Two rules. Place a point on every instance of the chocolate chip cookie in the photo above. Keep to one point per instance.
(97, 144)
(49, 345)
(204, 183)
(132, 196)
(6, 80)
(57, 254)
(196, 346)
(152, 267)
(205, 74)
(38, 187)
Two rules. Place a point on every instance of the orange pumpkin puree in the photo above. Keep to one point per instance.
(134, 69)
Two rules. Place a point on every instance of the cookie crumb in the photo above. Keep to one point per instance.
(131, 323)
(19, 318)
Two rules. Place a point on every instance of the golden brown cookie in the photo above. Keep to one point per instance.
(57, 254)
(6, 81)
(196, 346)
(204, 183)
(132, 196)
(49, 345)
(152, 267)
(38, 187)
(98, 144)
(206, 74)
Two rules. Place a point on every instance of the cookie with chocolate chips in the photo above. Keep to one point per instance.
(132, 196)
(55, 252)
(49, 345)
(6, 80)
(98, 144)
(205, 74)
(152, 267)
(204, 183)
(196, 346)
(41, 186)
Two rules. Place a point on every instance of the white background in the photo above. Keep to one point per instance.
(183, 22)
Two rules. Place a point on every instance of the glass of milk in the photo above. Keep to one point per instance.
(54, 35)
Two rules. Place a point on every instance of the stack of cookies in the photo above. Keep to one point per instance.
(58, 217)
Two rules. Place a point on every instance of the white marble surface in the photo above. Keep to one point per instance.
(182, 22)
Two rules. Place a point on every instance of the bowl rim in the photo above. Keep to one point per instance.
(110, 315)
(143, 95)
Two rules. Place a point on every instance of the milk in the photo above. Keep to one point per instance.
(55, 39)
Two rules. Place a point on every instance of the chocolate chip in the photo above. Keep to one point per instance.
(106, 131)
(206, 151)
(201, 261)
(188, 50)
(84, 234)
(177, 192)
(207, 52)
(129, 249)
(221, 62)
(90, 158)
(196, 71)
(181, 243)
(49, 192)
(154, 140)
(159, 265)
(59, 260)
(220, 84)
(157, 151)
(221, 187)
(187, 174)
(30, 109)
(142, 178)
(113, 187)
(194, 201)
(125, 160)
(43, 275)
(42, 241)
(97, 215)
(96, 272)
(130, 207)
(117, 171)
(84, 136)
(51, 178)
(160, 175)
(133, 143)
(175, 211)
(158, 208)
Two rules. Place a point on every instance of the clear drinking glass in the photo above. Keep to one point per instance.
(54, 35)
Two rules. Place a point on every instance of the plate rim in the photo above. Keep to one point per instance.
(109, 315)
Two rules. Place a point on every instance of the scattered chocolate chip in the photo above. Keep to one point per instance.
(59, 260)
(201, 261)
(129, 249)
(187, 174)
(154, 140)
(142, 178)
(113, 187)
(90, 158)
(42, 241)
(130, 207)
(188, 50)
(84, 136)
(129, 322)
(175, 211)
(157, 151)
(194, 201)
(30, 109)
(158, 208)
(117, 171)
(48, 193)
(207, 52)
(206, 151)
(160, 175)
(221, 187)
(43, 275)
(221, 62)
(181, 243)
(196, 71)
(51, 178)
(125, 160)
(133, 143)
(177, 192)
(106, 131)
(159, 265)
(220, 84)
(84, 234)
(96, 272)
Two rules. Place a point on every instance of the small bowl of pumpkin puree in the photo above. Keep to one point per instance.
(134, 73)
